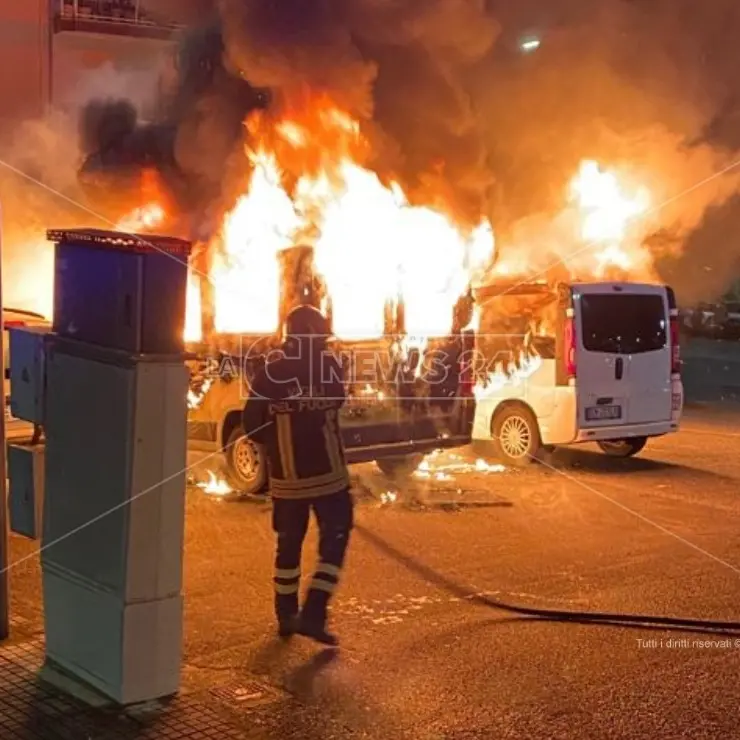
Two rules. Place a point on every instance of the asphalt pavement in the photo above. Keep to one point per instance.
(431, 647)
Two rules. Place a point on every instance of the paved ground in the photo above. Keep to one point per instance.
(430, 650)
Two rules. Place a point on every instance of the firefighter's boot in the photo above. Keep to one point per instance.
(313, 619)
(286, 611)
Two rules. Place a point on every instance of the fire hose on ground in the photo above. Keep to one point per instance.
(628, 620)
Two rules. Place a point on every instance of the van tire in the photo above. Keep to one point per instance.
(516, 436)
(622, 447)
(246, 463)
(400, 468)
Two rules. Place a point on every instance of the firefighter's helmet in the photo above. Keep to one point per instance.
(307, 321)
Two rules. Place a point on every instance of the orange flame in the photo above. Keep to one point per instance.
(599, 232)
(372, 246)
(153, 216)
(215, 486)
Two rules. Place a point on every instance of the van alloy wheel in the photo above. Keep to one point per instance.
(515, 437)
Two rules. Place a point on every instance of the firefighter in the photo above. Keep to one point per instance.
(293, 411)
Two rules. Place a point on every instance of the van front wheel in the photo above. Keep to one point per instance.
(622, 447)
(516, 436)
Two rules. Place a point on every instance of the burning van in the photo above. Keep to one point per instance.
(405, 396)
(594, 362)
(306, 217)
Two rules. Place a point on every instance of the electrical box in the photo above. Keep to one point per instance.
(121, 291)
(115, 477)
(27, 373)
(26, 493)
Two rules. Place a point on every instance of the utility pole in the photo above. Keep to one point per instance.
(4, 591)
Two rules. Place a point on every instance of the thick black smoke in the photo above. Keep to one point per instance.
(397, 66)
(455, 106)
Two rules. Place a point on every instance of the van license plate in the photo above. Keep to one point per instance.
(598, 413)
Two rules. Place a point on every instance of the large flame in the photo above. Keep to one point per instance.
(147, 219)
(598, 234)
(608, 211)
(372, 246)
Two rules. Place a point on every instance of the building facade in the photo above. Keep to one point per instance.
(55, 52)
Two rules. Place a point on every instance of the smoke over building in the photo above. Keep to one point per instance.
(456, 113)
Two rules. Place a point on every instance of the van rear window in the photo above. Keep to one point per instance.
(626, 323)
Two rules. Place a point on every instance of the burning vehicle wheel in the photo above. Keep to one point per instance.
(516, 436)
(399, 468)
(246, 463)
(623, 447)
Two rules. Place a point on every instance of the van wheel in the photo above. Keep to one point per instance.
(246, 463)
(400, 468)
(516, 436)
(622, 447)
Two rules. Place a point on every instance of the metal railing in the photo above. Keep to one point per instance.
(119, 12)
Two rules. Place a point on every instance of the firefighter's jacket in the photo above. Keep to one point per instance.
(293, 410)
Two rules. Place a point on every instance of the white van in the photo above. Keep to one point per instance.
(606, 369)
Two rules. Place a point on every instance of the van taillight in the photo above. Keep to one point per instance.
(12, 324)
(675, 347)
(570, 347)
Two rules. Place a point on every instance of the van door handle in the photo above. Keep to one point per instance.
(619, 368)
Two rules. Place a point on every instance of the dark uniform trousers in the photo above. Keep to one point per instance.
(290, 518)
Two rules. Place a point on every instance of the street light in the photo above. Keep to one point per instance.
(530, 44)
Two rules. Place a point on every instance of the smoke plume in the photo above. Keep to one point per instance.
(648, 87)
(398, 67)
(458, 111)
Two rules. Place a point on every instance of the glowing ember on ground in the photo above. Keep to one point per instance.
(215, 486)
(426, 472)
(444, 466)
(388, 497)
(481, 466)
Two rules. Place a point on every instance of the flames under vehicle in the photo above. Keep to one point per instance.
(404, 398)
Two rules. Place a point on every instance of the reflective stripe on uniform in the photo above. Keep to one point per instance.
(319, 584)
(316, 480)
(318, 485)
(330, 570)
(286, 589)
(278, 491)
(285, 446)
(287, 573)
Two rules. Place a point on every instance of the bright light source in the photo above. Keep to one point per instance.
(529, 45)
